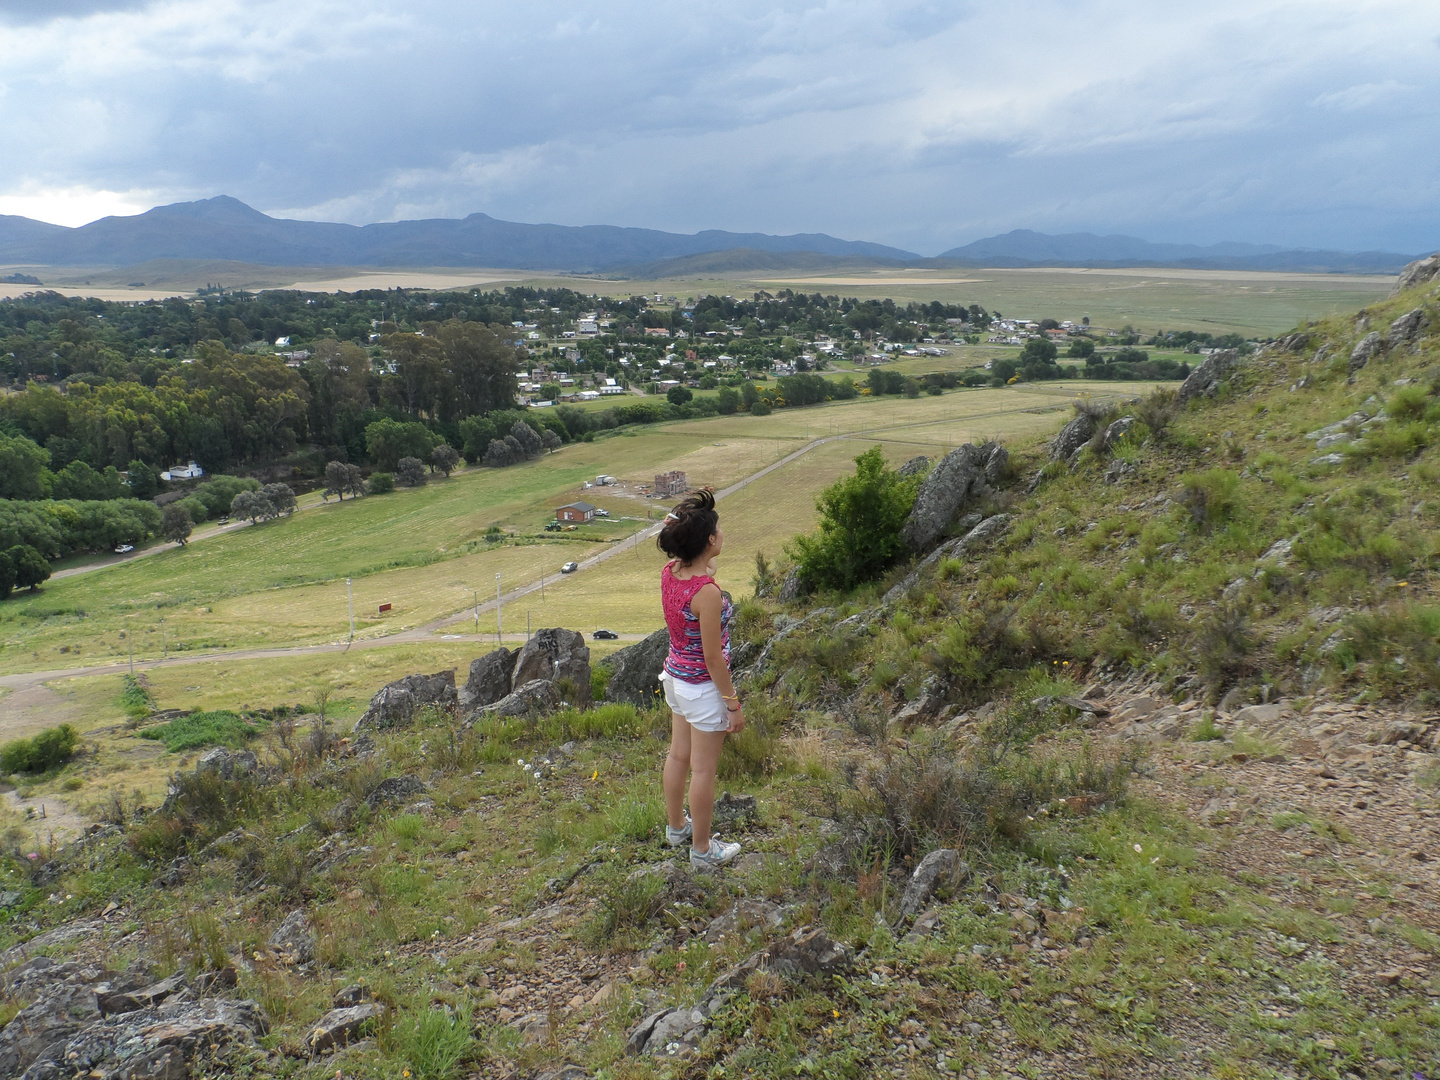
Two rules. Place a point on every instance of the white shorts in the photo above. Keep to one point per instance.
(699, 703)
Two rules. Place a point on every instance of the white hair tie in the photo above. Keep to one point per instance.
(671, 517)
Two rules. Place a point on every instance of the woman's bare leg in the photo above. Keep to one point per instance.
(704, 756)
(677, 765)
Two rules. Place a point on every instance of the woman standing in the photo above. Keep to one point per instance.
(703, 704)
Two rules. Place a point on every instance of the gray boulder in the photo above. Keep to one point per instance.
(1416, 273)
(489, 679)
(160, 1042)
(1405, 329)
(943, 492)
(228, 764)
(61, 1009)
(1365, 350)
(1079, 431)
(341, 1026)
(987, 530)
(293, 938)
(531, 699)
(997, 465)
(1117, 431)
(397, 702)
(635, 670)
(1208, 376)
(394, 790)
(807, 951)
(914, 466)
(792, 588)
(554, 654)
(942, 866)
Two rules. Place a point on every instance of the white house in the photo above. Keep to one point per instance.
(184, 472)
(589, 395)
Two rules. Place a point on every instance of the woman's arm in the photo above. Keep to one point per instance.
(707, 604)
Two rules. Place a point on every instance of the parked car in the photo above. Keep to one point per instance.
(121, 549)
(605, 635)
(602, 513)
(570, 568)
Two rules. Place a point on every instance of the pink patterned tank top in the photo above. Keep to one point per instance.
(686, 660)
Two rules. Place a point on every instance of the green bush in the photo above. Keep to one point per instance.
(135, 700)
(858, 534)
(1211, 496)
(219, 728)
(436, 1042)
(380, 483)
(48, 750)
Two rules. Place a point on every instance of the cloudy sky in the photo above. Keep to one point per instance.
(918, 123)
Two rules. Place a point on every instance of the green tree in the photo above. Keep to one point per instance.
(7, 575)
(175, 524)
(31, 568)
(727, 400)
(858, 534)
(410, 471)
(1038, 348)
(23, 468)
(387, 441)
(144, 481)
(1082, 348)
(381, 483)
(444, 458)
(679, 395)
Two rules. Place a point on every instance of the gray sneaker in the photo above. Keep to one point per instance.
(676, 837)
(717, 856)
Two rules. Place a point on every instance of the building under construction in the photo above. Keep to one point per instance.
(670, 483)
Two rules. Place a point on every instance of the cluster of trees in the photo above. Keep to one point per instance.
(57, 528)
(521, 444)
(266, 504)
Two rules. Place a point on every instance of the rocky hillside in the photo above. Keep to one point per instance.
(1126, 770)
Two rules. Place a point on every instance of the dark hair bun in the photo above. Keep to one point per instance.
(689, 527)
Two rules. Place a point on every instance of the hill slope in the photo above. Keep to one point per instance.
(226, 229)
(1015, 814)
(1022, 247)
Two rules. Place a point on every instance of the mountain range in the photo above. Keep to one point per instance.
(224, 228)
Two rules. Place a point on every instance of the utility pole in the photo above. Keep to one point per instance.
(476, 595)
(499, 626)
(129, 640)
(527, 624)
(350, 599)
(164, 641)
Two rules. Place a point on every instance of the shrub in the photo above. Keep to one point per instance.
(48, 750)
(135, 699)
(858, 534)
(627, 903)
(219, 728)
(1211, 496)
(925, 795)
(381, 483)
(410, 472)
(436, 1042)
(1224, 646)
(1156, 410)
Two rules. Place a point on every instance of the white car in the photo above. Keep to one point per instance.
(121, 549)
(602, 513)
(570, 568)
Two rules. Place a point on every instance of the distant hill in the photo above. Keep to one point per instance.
(1022, 247)
(749, 260)
(223, 228)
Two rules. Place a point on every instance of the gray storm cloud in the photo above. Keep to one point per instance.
(921, 125)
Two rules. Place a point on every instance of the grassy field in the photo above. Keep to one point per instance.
(423, 550)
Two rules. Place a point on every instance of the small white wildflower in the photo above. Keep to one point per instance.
(1138, 848)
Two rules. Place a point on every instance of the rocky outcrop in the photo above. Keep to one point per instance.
(293, 939)
(1419, 272)
(1117, 431)
(228, 764)
(343, 1025)
(489, 679)
(555, 655)
(1074, 435)
(1406, 328)
(397, 702)
(84, 1021)
(394, 790)
(532, 699)
(984, 532)
(635, 670)
(793, 587)
(1365, 350)
(942, 867)
(958, 476)
(1206, 378)
(914, 467)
